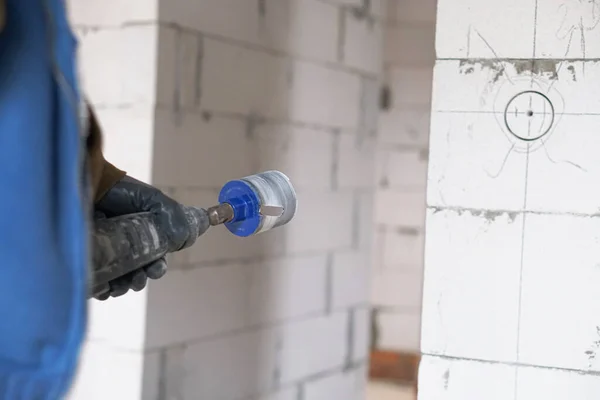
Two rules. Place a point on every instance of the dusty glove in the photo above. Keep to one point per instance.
(130, 196)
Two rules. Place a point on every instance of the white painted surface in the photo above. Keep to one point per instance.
(510, 306)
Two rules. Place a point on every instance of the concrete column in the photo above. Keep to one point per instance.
(511, 299)
(216, 90)
(401, 179)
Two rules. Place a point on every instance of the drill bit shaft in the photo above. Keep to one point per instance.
(220, 214)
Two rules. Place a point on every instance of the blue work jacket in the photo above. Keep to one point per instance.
(44, 200)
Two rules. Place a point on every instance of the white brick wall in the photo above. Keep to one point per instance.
(274, 25)
(348, 386)
(219, 89)
(323, 336)
(349, 273)
(409, 44)
(399, 329)
(401, 174)
(412, 11)
(510, 305)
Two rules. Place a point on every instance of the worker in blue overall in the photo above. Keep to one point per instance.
(53, 177)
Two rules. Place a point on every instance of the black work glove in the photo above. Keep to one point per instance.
(130, 196)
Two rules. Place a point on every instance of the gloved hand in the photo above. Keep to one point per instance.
(129, 196)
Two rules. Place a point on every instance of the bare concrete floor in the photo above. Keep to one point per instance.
(386, 391)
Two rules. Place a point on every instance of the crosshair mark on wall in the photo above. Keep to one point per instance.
(529, 115)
